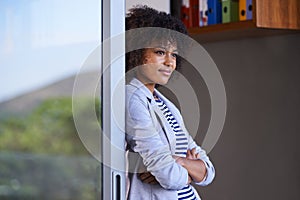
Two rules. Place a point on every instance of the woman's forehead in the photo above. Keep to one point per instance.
(166, 44)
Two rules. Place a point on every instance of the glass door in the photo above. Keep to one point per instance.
(43, 45)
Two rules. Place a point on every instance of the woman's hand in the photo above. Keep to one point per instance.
(194, 166)
(190, 162)
(191, 154)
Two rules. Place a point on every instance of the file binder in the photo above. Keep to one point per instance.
(214, 12)
(186, 13)
(243, 10)
(249, 9)
(230, 11)
(195, 12)
(203, 13)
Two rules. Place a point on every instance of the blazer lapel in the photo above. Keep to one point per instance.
(166, 128)
(156, 113)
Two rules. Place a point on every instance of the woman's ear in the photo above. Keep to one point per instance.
(145, 60)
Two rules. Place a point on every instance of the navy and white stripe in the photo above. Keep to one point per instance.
(186, 193)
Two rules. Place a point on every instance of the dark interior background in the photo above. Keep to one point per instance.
(258, 154)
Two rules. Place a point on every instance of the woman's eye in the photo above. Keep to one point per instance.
(159, 52)
(174, 55)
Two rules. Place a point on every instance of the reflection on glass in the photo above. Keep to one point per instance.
(42, 46)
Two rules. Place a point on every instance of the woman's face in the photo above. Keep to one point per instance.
(158, 64)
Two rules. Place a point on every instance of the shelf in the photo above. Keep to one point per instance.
(233, 31)
(277, 13)
(270, 18)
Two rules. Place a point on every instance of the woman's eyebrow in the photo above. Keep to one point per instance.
(165, 48)
(159, 47)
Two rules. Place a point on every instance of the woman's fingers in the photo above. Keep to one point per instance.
(189, 154)
(192, 154)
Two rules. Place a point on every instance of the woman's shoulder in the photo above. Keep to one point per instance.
(135, 96)
(133, 91)
(136, 89)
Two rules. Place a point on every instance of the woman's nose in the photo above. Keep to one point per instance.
(169, 61)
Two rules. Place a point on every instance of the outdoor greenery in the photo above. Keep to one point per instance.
(36, 177)
(42, 157)
(48, 129)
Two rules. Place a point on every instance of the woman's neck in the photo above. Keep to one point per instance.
(150, 86)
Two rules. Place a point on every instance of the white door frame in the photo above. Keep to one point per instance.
(113, 137)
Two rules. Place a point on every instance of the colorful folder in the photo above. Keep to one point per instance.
(195, 12)
(190, 13)
(245, 9)
(242, 10)
(249, 9)
(230, 11)
(214, 12)
(186, 17)
(203, 13)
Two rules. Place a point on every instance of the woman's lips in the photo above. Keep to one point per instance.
(165, 72)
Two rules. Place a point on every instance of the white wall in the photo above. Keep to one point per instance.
(161, 5)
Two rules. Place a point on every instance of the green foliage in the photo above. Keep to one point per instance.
(35, 177)
(42, 157)
(48, 129)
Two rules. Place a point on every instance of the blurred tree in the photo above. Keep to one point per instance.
(48, 129)
(42, 157)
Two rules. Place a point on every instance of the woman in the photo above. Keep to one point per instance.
(163, 158)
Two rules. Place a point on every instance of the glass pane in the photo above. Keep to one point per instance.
(43, 45)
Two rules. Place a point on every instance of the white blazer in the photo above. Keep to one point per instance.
(151, 144)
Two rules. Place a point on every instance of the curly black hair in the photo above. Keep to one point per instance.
(167, 28)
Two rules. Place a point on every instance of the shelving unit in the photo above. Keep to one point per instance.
(234, 30)
(270, 18)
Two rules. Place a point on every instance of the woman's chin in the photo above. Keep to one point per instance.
(163, 82)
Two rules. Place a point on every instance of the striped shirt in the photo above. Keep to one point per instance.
(186, 193)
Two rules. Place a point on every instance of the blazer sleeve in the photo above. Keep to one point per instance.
(210, 170)
(143, 138)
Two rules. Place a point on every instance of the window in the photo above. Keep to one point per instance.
(43, 44)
